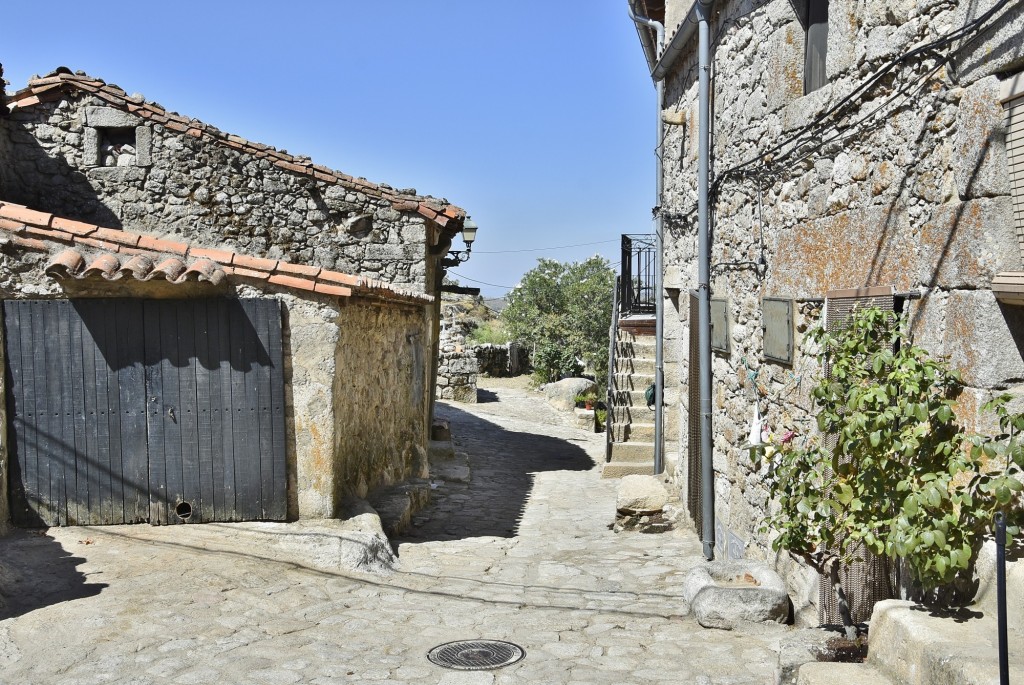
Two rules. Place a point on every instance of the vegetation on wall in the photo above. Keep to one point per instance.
(891, 471)
(563, 311)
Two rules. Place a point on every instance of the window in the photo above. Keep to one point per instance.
(815, 21)
(113, 138)
(117, 146)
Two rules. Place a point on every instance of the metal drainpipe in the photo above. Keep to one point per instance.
(659, 306)
(707, 467)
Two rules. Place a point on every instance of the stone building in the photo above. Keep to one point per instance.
(259, 333)
(854, 145)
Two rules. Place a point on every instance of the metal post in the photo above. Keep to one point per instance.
(609, 407)
(707, 467)
(1004, 662)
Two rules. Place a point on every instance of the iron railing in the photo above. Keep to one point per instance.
(609, 405)
(636, 286)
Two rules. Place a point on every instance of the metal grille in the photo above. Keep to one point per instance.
(871, 580)
(693, 491)
(475, 655)
(639, 260)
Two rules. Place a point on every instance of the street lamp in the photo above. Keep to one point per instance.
(468, 236)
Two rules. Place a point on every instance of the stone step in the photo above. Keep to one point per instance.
(396, 504)
(642, 365)
(632, 451)
(915, 646)
(637, 349)
(614, 469)
(625, 432)
(830, 673)
(633, 381)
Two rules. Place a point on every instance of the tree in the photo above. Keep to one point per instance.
(564, 311)
(892, 471)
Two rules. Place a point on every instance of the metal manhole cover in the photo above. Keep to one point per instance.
(476, 655)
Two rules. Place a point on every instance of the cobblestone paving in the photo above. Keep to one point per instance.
(524, 553)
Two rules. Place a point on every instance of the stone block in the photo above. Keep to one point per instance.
(108, 117)
(984, 339)
(91, 147)
(143, 146)
(723, 594)
(964, 245)
(979, 162)
(640, 494)
(562, 394)
(864, 247)
(784, 66)
(997, 49)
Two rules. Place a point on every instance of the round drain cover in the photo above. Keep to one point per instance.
(476, 655)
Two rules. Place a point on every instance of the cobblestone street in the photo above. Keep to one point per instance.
(523, 553)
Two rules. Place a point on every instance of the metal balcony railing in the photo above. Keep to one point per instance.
(636, 284)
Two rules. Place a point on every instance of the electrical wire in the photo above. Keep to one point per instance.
(932, 47)
(542, 249)
(473, 280)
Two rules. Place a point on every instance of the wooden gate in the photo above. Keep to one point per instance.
(122, 411)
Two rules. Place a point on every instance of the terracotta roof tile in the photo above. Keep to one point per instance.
(292, 282)
(325, 289)
(247, 273)
(298, 269)
(259, 263)
(169, 269)
(105, 265)
(68, 262)
(62, 80)
(162, 245)
(132, 255)
(222, 256)
(24, 215)
(137, 267)
(75, 227)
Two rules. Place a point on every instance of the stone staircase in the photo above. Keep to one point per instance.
(629, 421)
(910, 645)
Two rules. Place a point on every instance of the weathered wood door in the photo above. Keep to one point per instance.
(122, 411)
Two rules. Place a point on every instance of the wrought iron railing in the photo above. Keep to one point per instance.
(636, 285)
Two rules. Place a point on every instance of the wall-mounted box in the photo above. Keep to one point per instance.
(720, 325)
(777, 323)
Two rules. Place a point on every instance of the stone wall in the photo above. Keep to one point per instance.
(457, 363)
(903, 185)
(167, 182)
(381, 401)
(502, 361)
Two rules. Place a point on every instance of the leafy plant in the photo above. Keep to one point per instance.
(890, 471)
(563, 310)
(491, 331)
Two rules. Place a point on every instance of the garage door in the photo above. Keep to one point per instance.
(124, 411)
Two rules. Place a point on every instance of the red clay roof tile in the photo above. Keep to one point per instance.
(291, 282)
(222, 256)
(260, 263)
(298, 269)
(210, 264)
(325, 289)
(61, 80)
(25, 215)
(75, 227)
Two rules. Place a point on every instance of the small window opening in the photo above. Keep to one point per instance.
(117, 146)
(816, 45)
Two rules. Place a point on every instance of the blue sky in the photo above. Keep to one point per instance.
(537, 118)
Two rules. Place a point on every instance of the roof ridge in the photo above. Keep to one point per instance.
(45, 88)
(35, 230)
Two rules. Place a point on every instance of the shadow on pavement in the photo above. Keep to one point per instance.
(36, 572)
(503, 465)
